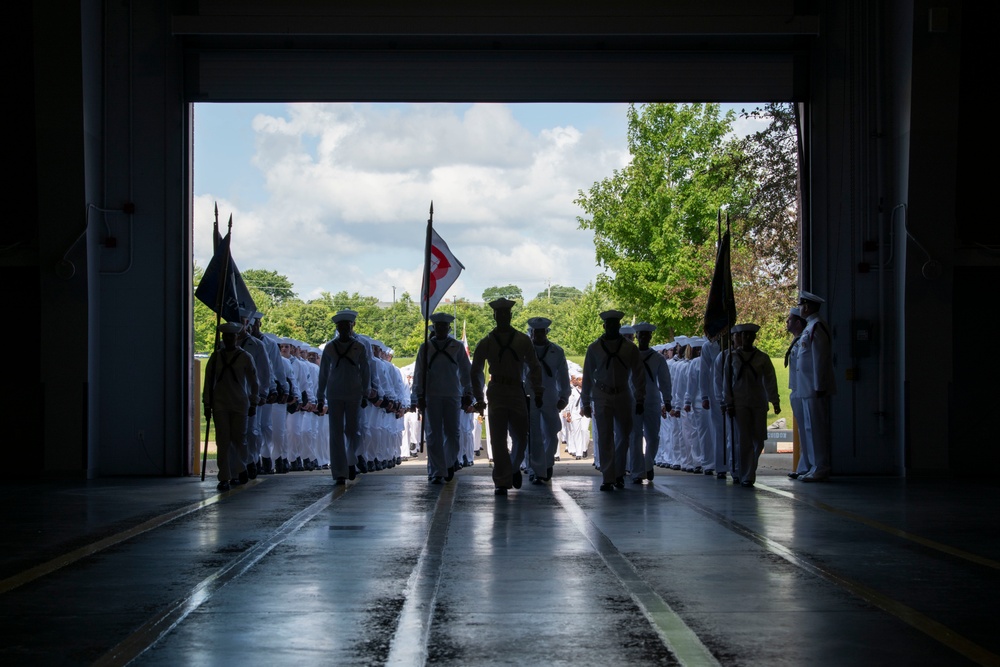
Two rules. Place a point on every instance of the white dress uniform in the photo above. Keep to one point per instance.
(262, 364)
(267, 410)
(344, 380)
(814, 376)
(281, 437)
(441, 377)
(724, 459)
(714, 447)
(230, 381)
(545, 422)
(579, 426)
(659, 391)
(608, 366)
(750, 384)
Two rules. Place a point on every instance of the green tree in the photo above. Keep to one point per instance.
(558, 294)
(654, 220)
(204, 319)
(277, 287)
(512, 292)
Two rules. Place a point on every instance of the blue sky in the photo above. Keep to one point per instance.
(336, 196)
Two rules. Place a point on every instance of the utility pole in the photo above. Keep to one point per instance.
(454, 301)
(550, 290)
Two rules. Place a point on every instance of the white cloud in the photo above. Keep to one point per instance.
(348, 189)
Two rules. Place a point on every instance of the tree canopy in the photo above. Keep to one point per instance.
(655, 221)
(277, 287)
(512, 292)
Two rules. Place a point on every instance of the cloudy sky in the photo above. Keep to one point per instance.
(337, 196)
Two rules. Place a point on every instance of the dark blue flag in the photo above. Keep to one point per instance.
(720, 311)
(222, 288)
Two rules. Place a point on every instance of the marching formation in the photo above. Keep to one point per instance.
(695, 404)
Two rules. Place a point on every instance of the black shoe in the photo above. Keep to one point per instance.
(436, 480)
(649, 474)
(638, 480)
(517, 479)
(579, 458)
(352, 472)
(244, 477)
(736, 480)
(607, 486)
(548, 474)
(720, 475)
(536, 480)
(698, 470)
(222, 486)
(532, 478)
(746, 485)
(675, 466)
(499, 491)
(297, 465)
(793, 475)
(620, 482)
(450, 476)
(709, 471)
(266, 467)
(340, 481)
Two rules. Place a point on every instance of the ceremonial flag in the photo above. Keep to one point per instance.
(222, 288)
(720, 311)
(441, 271)
(465, 341)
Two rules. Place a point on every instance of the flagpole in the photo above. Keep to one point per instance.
(426, 309)
(726, 285)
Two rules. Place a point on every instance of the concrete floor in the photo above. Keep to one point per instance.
(290, 570)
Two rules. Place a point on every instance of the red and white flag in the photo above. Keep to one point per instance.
(441, 274)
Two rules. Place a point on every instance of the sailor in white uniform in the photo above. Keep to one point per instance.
(609, 364)
(545, 421)
(657, 404)
(343, 387)
(442, 389)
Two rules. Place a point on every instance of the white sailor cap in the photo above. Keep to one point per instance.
(442, 317)
(671, 345)
(314, 350)
(697, 341)
(377, 343)
(539, 323)
(795, 311)
(502, 304)
(644, 326)
(345, 315)
(302, 345)
(681, 340)
(809, 296)
(230, 328)
(612, 315)
(627, 330)
(746, 328)
(271, 337)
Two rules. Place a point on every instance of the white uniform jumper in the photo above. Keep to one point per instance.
(344, 380)
(607, 368)
(659, 390)
(546, 422)
(442, 375)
